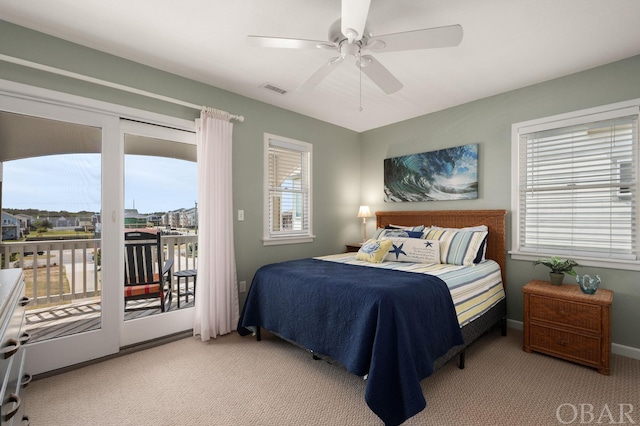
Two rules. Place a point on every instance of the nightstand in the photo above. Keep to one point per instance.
(564, 322)
(353, 247)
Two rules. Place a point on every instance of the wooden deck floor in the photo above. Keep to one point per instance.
(57, 321)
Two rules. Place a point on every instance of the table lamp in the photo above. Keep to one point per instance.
(364, 213)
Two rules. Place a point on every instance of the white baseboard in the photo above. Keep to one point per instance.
(628, 351)
(516, 325)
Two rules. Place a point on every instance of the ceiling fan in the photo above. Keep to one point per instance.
(350, 36)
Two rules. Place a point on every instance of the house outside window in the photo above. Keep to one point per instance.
(287, 191)
(574, 187)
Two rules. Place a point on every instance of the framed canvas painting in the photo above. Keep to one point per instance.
(445, 174)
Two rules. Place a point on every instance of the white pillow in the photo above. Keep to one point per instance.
(414, 250)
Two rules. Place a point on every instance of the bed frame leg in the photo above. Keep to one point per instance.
(258, 337)
(461, 361)
(503, 325)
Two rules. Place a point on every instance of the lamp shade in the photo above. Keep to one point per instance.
(364, 212)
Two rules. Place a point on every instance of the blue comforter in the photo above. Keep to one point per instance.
(390, 325)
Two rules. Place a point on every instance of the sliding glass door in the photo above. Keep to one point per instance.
(72, 174)
(160, 198)
(58, 207)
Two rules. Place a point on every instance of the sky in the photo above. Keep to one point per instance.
(71, 182)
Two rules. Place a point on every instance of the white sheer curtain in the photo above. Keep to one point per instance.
(216, 301)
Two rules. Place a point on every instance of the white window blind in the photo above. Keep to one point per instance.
(287, 190)
(578, 190)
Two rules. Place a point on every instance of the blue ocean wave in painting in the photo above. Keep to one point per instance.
(446, 174)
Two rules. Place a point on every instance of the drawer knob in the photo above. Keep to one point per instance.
(25, 338)
(10, 350)
(26, 379)
(15, 399)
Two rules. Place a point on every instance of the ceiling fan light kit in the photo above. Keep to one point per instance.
(350, 35)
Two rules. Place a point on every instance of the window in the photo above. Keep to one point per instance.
(575, 190)
(287, 198)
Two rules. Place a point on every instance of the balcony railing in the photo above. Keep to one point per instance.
(60, 272)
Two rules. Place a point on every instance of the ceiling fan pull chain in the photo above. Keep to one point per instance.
(360, 67)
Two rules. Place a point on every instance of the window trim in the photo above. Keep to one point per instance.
(308, 237)
(555, 121)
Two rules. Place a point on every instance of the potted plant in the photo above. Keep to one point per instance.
(558, 267)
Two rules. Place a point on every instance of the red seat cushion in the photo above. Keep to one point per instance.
(138, 290)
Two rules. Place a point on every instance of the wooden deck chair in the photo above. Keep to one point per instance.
(144, 278)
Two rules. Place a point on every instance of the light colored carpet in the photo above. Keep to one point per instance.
(235, 380)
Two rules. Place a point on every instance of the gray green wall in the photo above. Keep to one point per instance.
(488, 122)
(343, 182)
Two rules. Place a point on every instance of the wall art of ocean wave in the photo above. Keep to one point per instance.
(446, 174)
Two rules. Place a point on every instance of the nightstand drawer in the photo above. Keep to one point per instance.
(352, 248)
(582, 348)
(578, 315)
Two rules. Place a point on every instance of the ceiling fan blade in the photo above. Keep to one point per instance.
(379, 74)
(288, 43)
(427, 38)
(354, 18)
(320, 75)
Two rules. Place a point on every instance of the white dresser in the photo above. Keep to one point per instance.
(12, 350)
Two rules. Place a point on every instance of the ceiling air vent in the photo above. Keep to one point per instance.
(273, 88)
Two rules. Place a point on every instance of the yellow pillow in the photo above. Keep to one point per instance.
(374, 250)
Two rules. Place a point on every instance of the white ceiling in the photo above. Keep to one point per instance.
(507, 44)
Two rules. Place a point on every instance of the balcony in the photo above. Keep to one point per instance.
(65, 285)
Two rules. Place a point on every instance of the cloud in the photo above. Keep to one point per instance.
(72, 182)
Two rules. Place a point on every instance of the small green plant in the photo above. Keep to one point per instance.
(558, 265)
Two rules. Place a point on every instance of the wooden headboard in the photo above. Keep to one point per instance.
(494, 219)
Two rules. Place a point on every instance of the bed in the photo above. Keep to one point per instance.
(387, 322)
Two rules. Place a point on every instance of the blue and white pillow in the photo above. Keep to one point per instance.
(418, 228)
(459, 247)
(471, 228)
(414, 250)
(400, 233)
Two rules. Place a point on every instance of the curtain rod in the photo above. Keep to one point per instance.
(110, 84)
